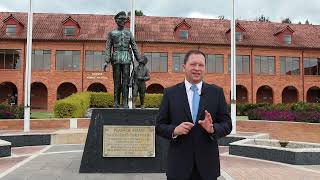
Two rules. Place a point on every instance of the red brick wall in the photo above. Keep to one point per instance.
(283, 130)
(37, 124)
(82, 79)
(278, 130)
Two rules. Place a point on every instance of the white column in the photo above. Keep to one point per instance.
(233, 71)
(132, 24)
(27, 83)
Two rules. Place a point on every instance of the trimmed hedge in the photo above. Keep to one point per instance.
(278, 115)
(11, 112)
(244, 109)
(76, 105)
(73, 106)
(101, 100)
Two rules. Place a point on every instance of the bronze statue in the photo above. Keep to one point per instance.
(140, 75)
(119, 47)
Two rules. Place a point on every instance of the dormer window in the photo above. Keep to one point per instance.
(71, 27)
(69, 31)
(183, 34)
(238, 36)
(284, 35)
(287, 39)
(181, 30)
(11, 30)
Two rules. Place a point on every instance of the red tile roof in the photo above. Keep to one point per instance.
(160, 29)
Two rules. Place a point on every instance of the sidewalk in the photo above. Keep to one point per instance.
(62, 162)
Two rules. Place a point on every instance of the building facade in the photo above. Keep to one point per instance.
(276, 63)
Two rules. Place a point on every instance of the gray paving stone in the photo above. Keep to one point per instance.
(65, 166)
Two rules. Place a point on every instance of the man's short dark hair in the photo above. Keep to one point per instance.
(193, 52)
(121, 13)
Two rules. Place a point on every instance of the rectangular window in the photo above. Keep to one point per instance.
(311, 66)
(287, 39)
(183, 34)
(11, 30)
(290, 65)
(242, 63)
(214, 63)
(40, 60)
(94, 61)
(158, 62)
(69, 31)
(264, 65)
(178, 61)
(238, 36)
(68, 60)
(10, 59)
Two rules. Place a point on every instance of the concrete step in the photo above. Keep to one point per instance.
(5, 148)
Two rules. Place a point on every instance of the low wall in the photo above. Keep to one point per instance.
(292, 131)
(41, 124)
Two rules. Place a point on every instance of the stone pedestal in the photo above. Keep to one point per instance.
(92, 158)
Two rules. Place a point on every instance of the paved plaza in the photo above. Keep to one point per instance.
(62, 162)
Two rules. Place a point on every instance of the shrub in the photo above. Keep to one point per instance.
(301, 107)
(73, 106)
(243, 109)
(101, 100)
(11, 112)
(311, 117)
(152, 100)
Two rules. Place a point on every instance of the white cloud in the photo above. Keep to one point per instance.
(201, 15)
(296, 10)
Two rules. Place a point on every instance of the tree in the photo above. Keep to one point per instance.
(137, 13)
(307, 22)
(286, 20)
(262, 18)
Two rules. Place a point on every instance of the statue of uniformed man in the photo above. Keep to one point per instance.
(120, 44)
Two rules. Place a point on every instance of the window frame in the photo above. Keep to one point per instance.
(181, 33)
(150, 66)
(285, 40)
(66, 28)
(214, 60)
(64, 59)
(11, 26)
(44, 61)
(289, 66)
(93, 53)
(269, 59)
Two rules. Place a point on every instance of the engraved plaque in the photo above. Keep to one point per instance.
(128, 141)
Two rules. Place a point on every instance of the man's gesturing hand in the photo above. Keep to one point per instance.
(207, 123)
(183, 128)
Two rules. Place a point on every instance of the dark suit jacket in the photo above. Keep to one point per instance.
(198, 147)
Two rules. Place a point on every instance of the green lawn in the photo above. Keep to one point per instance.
(42, 115)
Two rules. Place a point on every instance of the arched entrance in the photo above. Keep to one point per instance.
(39, 96)
(97, 87)
(8, 93)
(242, 94)
(290, 94)
(264, 94)
(313, 95)
(66, 89)
(155, 89)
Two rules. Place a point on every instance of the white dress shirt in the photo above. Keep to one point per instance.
(190, 92)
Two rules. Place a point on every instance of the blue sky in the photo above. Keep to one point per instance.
(296, 10)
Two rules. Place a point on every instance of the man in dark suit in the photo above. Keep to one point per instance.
(193, 115)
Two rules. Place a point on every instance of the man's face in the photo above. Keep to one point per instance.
(120, 20)
(194, 68)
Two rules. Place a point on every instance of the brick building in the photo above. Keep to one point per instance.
(275, 62)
